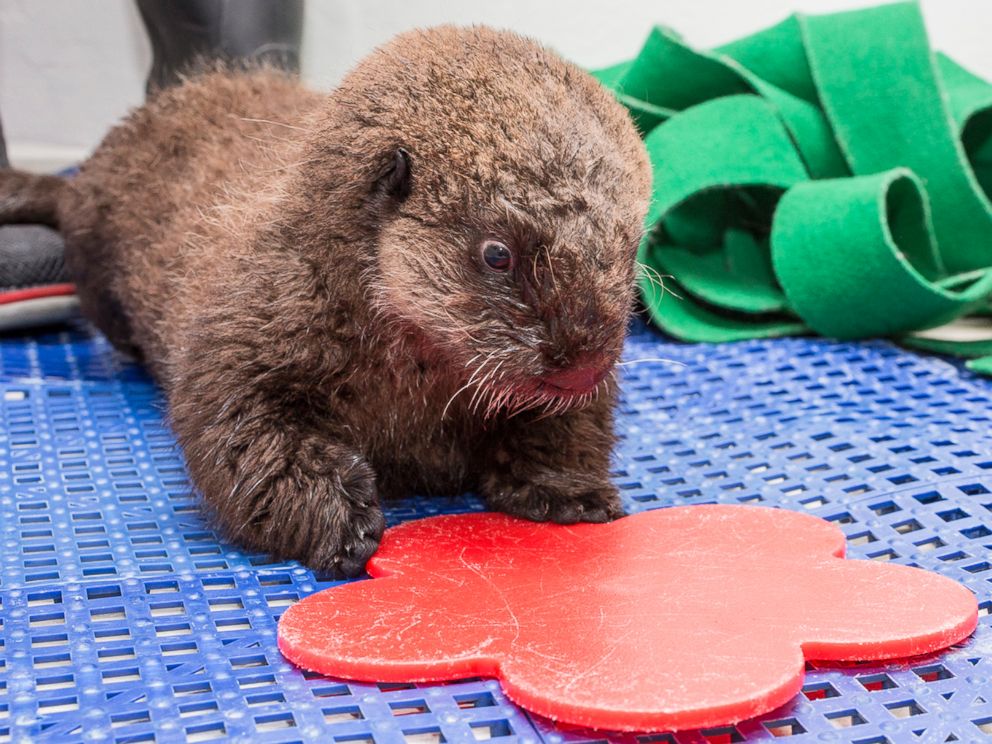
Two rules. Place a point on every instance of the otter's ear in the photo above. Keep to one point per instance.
(393, 181)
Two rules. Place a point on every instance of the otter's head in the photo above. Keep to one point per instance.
(508, 191)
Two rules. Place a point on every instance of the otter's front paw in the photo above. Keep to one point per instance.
(349, 542)
(546, 502)
(345, 523)
(321, 510)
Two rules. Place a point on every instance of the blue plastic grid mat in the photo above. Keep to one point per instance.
(123, 618)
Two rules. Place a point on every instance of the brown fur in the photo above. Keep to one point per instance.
(326, 338)
(29, 199)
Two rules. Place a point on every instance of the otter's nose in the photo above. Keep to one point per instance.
(580, 378)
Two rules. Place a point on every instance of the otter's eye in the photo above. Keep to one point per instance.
(496, 256)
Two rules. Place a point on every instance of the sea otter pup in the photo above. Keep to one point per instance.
(418, 283)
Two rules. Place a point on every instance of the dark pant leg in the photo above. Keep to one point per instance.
(187, 33)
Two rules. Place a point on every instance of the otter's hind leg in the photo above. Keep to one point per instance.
(92, 256)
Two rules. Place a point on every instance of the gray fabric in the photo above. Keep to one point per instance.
(30, 256)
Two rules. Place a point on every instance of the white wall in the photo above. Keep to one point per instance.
(70, 68)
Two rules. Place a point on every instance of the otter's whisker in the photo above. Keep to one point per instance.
(657, 279)
(452, 398)
(477, 397)
(673, 362)
(494, 403)
(274, 123)
(551, 270)
(492, 374)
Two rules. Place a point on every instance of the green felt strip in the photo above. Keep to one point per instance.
(828, 173)
(970, 102)
(737, 274)
(612, 76)
(809, 128)
(687, 164)
(881, 94)
(825, 264)
(692, 192)
(669, 76)
(774, 63)
(777, 56)
(967, 94)
(646, 115)
(689, 319)
(950, 347)
(982, 365)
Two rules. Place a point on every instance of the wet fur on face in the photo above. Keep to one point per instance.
(304, 275)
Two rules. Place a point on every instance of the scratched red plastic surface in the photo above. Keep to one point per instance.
(669, 619)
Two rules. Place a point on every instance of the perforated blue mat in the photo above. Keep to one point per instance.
(123, 618)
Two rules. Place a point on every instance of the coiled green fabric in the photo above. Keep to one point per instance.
(830, 174)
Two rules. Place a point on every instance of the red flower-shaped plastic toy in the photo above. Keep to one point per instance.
(669, 619)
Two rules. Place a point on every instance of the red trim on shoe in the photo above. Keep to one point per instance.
(31, 293)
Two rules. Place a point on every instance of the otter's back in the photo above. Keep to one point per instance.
(144, 204)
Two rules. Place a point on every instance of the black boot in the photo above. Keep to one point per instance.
(187, 33)
(34, 284)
